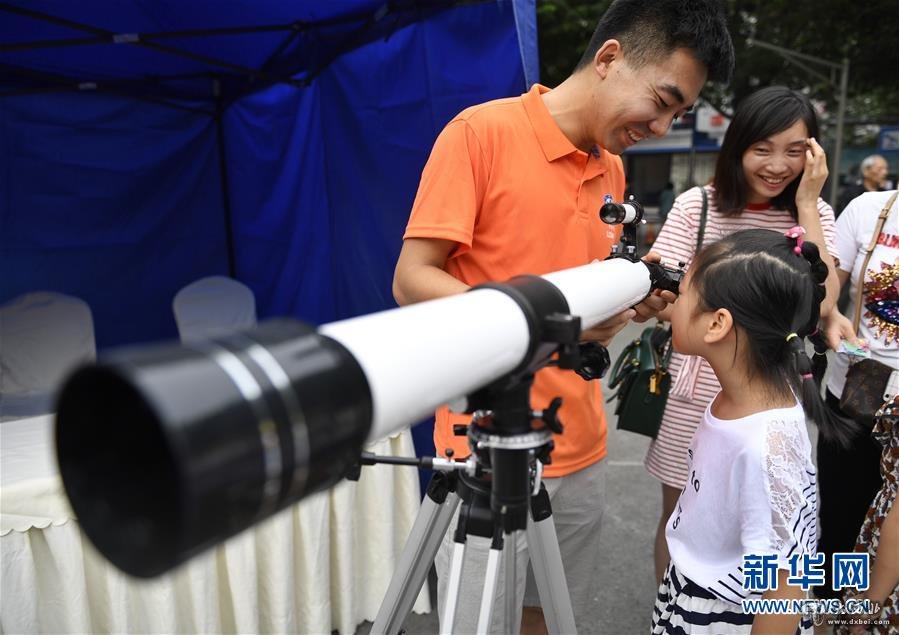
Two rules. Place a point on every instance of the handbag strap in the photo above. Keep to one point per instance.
(702, 217)
(616, 374)
(861, 276)
(661, 353)
(666, 357)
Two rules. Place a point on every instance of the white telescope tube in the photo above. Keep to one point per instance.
(418, 357)
(597, 291)
(213, 437)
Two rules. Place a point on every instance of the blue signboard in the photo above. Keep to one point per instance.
(888, 139)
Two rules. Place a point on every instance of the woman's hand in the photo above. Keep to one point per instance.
(813, 177)
(837, 327)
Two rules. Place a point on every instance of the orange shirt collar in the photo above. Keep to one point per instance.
(551, 138)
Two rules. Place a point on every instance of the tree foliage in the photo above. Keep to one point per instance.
(865, 33)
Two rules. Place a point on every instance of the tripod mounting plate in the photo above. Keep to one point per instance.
(527, 441)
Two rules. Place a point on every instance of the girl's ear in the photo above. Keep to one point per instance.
(721, 324)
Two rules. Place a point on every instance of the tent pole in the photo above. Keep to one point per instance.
(223, 175)
(134, 39)
(58, 83)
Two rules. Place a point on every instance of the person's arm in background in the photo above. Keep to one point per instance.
(810, 185)
(836, 326)
(885, 570)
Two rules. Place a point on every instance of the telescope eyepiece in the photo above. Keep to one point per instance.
(666, 278)
(627, 213)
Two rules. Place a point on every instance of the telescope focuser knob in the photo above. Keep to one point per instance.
(594, 361)
(550, 415)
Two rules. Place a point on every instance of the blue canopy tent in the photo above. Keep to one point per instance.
(147, 144)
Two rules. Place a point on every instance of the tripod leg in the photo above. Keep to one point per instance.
(489, 593)
(474, 519)
(430, 525)
(546, 562)
(512, 606)
(452, 593)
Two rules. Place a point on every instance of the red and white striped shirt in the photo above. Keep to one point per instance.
(666, 458)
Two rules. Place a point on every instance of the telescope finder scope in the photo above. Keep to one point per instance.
(627, 213)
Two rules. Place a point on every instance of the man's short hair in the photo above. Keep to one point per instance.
(651, 30)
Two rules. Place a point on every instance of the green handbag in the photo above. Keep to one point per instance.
(641, 376)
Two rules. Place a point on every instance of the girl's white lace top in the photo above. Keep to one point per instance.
(750, 491)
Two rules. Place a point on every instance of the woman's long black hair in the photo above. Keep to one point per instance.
(771, 292)
(762, 114)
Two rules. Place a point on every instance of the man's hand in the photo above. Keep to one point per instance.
(656, 302)
(605, 331)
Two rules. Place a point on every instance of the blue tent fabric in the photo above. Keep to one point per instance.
(114, 203)
(290, 155)
(119, 200)
(322, 179)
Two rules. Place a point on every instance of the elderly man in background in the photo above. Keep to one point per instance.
(873, 172)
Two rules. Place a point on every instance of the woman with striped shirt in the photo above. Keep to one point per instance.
(768, 175)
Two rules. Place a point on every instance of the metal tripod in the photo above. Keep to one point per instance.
(445, 492)
(499, 485)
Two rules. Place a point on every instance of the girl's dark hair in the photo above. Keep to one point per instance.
(771, 292)
(762, 114)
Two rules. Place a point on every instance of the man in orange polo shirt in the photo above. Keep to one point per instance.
(514, 186)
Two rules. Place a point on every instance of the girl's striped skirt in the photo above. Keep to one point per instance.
(682, 606)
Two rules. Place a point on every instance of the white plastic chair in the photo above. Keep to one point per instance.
(43, 336)
(212, 306)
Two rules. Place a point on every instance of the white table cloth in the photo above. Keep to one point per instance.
(322, 564)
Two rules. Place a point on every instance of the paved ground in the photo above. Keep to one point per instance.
(625, 587)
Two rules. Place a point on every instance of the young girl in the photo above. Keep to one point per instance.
(746, 305)
(769, 174)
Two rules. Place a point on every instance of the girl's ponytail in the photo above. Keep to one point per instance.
(832, 427)
(810, 374)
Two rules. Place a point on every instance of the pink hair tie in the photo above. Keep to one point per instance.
(796, 233)
(809, 376)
